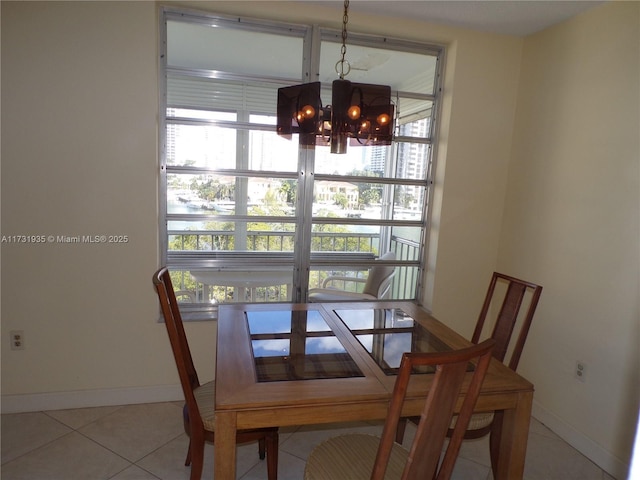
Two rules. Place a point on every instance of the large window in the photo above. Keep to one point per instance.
(247, 215)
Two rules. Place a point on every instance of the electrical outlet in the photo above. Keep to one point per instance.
(581, 371)
(17, 340)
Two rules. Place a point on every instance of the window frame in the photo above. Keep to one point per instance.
(306, 176)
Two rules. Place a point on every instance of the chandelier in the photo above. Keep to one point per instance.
(359, 114)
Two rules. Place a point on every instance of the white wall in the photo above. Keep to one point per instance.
(572, 225)
(79, 157)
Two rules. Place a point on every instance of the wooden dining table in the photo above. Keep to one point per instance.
(301, 364)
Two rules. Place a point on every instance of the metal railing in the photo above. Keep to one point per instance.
(403, 286)
(221, 240)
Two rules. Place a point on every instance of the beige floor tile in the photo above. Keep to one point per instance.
(247, 458)
(551, 458)
(540, 429)
(469, 470)
(134, 431)
(24, 432)
(72, 457)
(167, 462)
(42, 446)
(77, 418)
(134, 473)
(476, 450)
(289, 468)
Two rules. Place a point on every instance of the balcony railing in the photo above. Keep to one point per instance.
(214, 289)
(271, 241)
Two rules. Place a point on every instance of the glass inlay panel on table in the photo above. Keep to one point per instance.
(386, 333)
(297, 345)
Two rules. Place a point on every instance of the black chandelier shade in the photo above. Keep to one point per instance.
(359, 112)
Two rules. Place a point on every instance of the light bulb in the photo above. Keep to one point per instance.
(354, 112)
(383, 119)
(309, 111)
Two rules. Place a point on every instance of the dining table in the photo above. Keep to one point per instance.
(291, 364)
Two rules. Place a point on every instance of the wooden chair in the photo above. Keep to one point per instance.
(359, 456)
(376, 285)
(504, 326)
(199, 408)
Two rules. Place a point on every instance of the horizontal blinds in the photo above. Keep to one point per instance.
(220, 95)
(418, 111)
(225, 95)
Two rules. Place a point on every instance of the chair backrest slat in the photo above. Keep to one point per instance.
(425, 452)
(507, 317)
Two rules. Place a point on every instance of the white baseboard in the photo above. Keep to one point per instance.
(578, 440)
(90, 398)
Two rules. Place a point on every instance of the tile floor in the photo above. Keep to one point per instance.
(147, 442)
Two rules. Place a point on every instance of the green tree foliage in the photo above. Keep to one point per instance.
(261, 235)
(341, 199)
(368, 193)
(288, 191)
(211, 189)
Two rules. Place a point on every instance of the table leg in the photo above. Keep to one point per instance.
(509, 435)
(224, 447)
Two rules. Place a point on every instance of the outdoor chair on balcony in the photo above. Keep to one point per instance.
(185, 296)
(376, 285)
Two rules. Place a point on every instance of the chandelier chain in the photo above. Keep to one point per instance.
(343, 50)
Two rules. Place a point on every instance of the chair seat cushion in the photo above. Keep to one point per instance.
(206, 399)
(477, 422)
(352, 457)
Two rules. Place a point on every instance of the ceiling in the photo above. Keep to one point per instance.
(510, 17)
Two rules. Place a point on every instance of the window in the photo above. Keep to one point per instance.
(247, 215)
